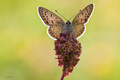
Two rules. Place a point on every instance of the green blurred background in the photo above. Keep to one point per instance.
(26, 51)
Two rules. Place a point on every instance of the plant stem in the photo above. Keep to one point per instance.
(63, 75)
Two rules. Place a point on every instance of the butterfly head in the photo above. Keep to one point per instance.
(68, 23)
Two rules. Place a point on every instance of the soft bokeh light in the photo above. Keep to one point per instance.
(26, 51)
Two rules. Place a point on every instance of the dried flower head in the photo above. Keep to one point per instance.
(68, 50)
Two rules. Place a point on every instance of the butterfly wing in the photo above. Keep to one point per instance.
(50, 19)
(78, 30)
(80, 19)
(84, 15)
(54, 31)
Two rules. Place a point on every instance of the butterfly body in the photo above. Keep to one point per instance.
(68, 28)
(56, 25)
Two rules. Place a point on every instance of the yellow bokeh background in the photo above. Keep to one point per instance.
(27, 52)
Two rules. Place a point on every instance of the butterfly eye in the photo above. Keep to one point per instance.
(68, 23)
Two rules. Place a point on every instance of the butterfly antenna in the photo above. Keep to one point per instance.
(75, 14)
(60, 15)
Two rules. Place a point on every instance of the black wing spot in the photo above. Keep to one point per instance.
(85, 20)
(82, 13)
(56, 18)
(47, 22)
(51, 15)
(81, 20)
(86, 9)
(52, 22)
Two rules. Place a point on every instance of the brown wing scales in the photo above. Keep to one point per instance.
(55, 31)
(78, 30)
(82, 16)
(49, 17)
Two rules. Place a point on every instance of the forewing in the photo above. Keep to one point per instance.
(78, 30)
(83, 16)
(49, 18)
(54, 31)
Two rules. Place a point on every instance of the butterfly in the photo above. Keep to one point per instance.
(56, 25)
